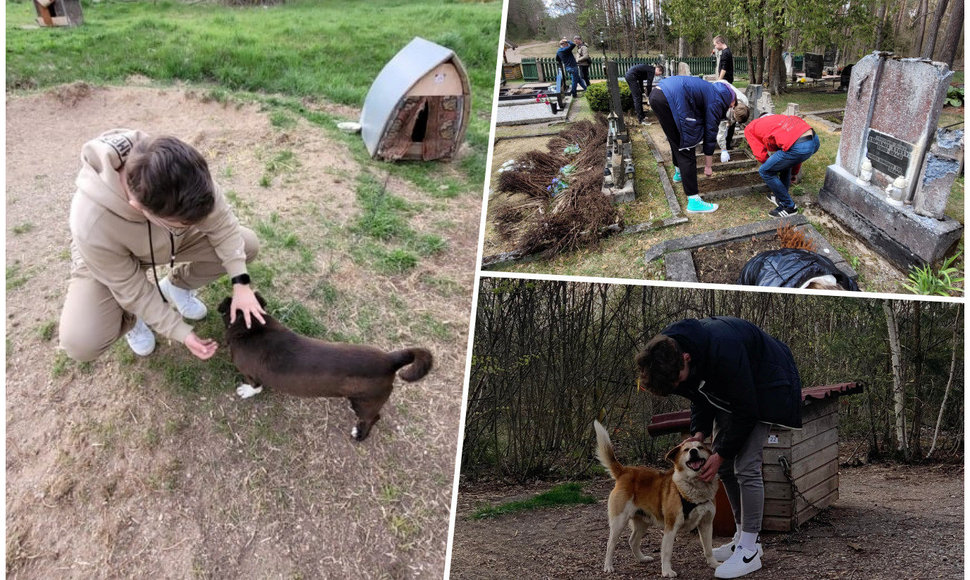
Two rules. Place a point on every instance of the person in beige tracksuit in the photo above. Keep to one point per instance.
(143, 202)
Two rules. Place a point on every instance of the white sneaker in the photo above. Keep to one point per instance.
(184, 300)
(724, 552)
(741, 563)
(141, 339)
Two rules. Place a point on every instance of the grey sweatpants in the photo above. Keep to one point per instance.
(742, 477)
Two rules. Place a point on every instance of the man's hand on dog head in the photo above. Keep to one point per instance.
(203, 348)
(709, 471)
(245, 301)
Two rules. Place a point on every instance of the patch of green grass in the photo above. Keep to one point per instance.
(430, 244)
(563, 494)
(63, 364)
(442, 286)
(325, 292)
(297, 317)
(47, 330)
(382, 214)
(281, 120)
(429, 326)
(396, 261)
(23, 228)
(16, 277)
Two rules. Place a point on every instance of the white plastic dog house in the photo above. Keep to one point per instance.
(419, 105)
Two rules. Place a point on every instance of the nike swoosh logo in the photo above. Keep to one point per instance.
(748, 560)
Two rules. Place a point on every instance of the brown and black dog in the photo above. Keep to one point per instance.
(676, 499)
(272, 355)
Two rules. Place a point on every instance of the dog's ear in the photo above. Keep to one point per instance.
(259, 298)
(224, 306)
(672, 454)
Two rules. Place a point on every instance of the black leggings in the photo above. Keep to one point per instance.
(684, 159)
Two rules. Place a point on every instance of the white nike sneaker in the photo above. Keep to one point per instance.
(184, 300)
(725, 551)
(141, 339)
(741, 563)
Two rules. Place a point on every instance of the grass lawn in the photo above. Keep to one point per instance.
(298, 50)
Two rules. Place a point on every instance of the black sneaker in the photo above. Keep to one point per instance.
(771, 198)
(780, 212)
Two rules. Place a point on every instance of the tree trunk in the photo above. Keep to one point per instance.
(953, 31)
(880, 22)
(681, 47)
(919, 389)
(930, 44)
(776, 71)
(899, 394)
(921, 14)
(957, 327)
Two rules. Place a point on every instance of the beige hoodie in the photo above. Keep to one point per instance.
(110, 237)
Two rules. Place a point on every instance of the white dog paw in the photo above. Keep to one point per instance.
(353, 432)
(713, 563)
(646, 558)
(669, 574)
(245, 391)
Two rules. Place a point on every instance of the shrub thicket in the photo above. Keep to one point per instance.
(598, 95)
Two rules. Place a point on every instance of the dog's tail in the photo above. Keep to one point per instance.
(604, 450)
(417, 360)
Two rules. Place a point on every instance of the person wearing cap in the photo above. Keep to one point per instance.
(690, 110)
(781, 143)
(740, 381)
(143, 201)
(582, 58)
(568, 60)
(634, 79)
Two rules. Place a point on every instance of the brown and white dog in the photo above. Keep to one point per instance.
(272, 355)
(676, 499)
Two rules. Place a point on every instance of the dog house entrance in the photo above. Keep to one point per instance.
(421, 125)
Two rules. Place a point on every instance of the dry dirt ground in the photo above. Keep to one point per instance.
(890, 522)
(114, 473)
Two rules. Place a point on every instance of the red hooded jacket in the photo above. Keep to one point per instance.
(772, 133)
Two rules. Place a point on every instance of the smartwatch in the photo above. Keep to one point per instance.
(240, 279)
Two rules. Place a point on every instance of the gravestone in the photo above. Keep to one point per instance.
(618, 175)
(891, 113)
(813, 65)
(759, 101)
(940, 169)
(789, 65)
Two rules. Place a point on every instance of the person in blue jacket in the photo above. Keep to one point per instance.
(690, 110)
(740, 381)
(565, 55)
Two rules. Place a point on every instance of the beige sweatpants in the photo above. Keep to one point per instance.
(91, 320)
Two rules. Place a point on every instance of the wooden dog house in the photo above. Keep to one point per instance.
(58, 12)
(810, 455)
(419, 105)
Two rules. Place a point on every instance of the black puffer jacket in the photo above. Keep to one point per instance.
(790, 268)
(736, 367)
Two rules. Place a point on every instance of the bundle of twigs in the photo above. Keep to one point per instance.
(579, 215)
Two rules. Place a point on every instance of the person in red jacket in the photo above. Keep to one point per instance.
(781, 143)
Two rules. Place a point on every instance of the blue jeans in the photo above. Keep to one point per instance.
(577, 79)
(776, 171)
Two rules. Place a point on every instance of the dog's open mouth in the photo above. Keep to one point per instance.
(696, 464)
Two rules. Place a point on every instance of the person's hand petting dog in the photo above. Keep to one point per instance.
(244, 300)
(709, 471)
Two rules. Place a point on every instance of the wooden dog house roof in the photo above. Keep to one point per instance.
(403, 75)
(679, 421)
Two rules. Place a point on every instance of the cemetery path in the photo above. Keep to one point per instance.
(891, 521)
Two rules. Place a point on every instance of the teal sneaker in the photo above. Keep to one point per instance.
(698, 205)
(677, 175)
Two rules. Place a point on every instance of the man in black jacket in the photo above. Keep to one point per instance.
(634, 79)
(740, 381)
